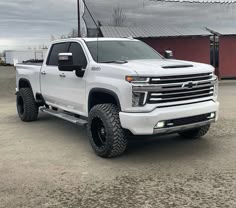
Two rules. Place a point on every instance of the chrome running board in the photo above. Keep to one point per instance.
(64, 116)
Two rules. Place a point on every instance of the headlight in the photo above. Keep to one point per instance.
(215, 81)
(137, 80)
(139, 99)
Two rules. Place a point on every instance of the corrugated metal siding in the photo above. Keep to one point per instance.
(200, 1)
(148, 32)
(222, 30)
(227, 54)
(184, 48)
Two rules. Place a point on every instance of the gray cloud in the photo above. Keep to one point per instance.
(144, 12)
(25, 23)
(31, 22)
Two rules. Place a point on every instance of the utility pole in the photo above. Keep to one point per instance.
(78, 6)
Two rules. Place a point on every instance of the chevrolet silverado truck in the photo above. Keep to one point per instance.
(118, 87)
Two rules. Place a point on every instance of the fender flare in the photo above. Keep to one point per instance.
(24, 80)
(106, 91)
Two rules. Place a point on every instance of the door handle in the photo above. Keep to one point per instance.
(62, 75)
(43, 73)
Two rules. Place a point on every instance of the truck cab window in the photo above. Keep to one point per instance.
(55, 50)
(78, 55)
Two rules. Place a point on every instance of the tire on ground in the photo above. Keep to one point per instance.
(195, 133)
(106, 135)
(26, 106)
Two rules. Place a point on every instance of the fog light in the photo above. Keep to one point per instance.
(212, 115)
(160, 124)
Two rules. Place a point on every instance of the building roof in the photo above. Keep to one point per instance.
(200, 1)
(222, 30)
(23, 51)
(151, 32)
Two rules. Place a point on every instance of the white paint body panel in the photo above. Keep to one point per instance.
(144, 123)
(71, 93)
(30, 73)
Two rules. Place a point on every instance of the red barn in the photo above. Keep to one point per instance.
(225, 51)
(186, 44)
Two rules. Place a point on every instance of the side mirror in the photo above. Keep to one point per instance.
(168, 54)
(65, 62)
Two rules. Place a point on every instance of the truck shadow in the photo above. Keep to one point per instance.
(141, 148)
(168, 147)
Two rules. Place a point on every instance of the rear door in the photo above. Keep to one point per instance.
(51, 87)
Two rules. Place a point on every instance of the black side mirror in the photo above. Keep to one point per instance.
(65, 62)
(169, 54)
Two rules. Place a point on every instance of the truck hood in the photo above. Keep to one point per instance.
(167, 67)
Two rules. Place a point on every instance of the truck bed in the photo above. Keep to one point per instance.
(31, 72)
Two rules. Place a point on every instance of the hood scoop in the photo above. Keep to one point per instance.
(177, 66)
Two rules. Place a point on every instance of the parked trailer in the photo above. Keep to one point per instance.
(22, 56)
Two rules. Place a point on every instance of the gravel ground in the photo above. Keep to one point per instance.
(49, 163)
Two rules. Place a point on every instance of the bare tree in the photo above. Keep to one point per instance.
(119, 18)
(53, 38)
(44, 47)
(63, 37)
(73, 33)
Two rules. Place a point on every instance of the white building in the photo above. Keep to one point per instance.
(21, 56)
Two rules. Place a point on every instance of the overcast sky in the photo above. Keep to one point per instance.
(30, 23)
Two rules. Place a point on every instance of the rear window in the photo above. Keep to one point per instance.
(55, 50)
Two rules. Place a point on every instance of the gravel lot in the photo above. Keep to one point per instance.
(49, 163)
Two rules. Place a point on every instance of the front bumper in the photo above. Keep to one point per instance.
(144, 123)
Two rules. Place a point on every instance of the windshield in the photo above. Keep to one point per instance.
(109, 51)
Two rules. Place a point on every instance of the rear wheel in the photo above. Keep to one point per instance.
(107, 137)
(26, 106)
(195, 133)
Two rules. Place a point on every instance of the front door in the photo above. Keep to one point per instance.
(72, 85)
(65, 90)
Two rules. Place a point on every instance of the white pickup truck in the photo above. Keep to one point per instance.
(118, 87)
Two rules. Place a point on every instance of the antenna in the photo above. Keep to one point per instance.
(78, 9)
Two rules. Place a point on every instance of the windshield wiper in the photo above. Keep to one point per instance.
(115, 61)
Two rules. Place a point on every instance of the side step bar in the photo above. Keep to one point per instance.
(64, 116)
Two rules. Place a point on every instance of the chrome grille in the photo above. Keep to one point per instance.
(182, 78)
(170, 89)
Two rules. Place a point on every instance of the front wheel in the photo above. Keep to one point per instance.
(195, 133)
(107, 137)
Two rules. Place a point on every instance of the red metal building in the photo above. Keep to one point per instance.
(186, 44)
(193, 48)
(226, 51)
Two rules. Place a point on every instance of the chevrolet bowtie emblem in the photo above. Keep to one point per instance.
(189, 84)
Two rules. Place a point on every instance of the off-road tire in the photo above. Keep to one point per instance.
(115, 138)
(195, 133)
(26, 106)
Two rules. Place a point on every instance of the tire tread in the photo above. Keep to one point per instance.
(119, 141)
(31, 108)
